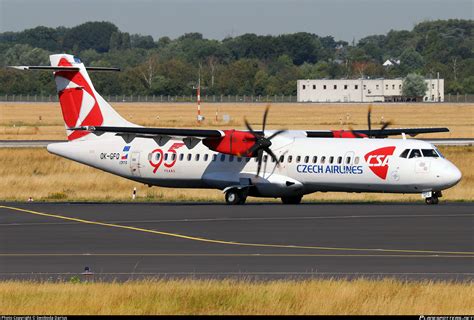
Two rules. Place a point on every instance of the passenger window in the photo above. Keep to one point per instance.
(348, 160)
(331, 159)
(206, 157)
(290, 158)
(197, 157)
(181, 156)
(298, 159)
(282, 158)
(315, 159)
(306, 159)
(239, 159)
(214, 157)
(158, 156)
(173, 156)
(404, 154)
(231, 158)
(222, 157)
(356, 160)
(323, 159)
(247, 159)
(415, 153)
(429, 153)
(166, 156)
(189, 156)
(339, 160)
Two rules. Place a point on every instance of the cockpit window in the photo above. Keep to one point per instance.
(415, 153)
(404, 154)
(439, 153)
(429, 153)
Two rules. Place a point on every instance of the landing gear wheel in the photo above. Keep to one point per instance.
(432, 200)
(234, 197)
(291, 200)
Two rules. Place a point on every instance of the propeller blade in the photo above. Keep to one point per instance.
(259, 161)
(369, 122)
(253, 148)
(274, 157)
(385, 125)
(275, 134)
(249, 127)
(265, 115)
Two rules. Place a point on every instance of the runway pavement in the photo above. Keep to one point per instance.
(257, 241)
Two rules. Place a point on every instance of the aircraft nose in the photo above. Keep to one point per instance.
(453, 174)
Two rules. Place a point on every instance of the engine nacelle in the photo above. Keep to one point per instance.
(234, 142)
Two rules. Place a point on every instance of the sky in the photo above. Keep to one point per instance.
(217, 19)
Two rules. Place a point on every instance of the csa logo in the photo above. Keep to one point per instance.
(377, 161)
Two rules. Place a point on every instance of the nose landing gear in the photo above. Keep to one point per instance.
(433, 199)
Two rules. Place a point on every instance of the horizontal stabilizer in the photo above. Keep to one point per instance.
(61, 68)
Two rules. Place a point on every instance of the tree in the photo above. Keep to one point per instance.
(414, 85)
(410, 60)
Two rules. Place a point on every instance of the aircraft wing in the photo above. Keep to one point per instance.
(377, 133)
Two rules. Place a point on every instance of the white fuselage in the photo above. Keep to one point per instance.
(308, 165)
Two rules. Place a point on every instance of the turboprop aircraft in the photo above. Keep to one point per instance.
(282, 164)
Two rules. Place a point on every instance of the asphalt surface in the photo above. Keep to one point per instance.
(257, 241)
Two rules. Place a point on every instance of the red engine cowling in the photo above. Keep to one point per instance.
(346, 134)
(234, 142)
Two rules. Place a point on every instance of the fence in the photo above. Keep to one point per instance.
(459, 98)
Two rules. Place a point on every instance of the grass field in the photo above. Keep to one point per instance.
(203, 297)
(46, 177)
(43, 121)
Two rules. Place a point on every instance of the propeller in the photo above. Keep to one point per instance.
(369, 125)
(262, 143)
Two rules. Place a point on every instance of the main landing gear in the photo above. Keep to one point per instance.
(433, 199)
(291, 200)
(235, 196)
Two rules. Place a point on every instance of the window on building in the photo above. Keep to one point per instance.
(393, 86)
(314, 87)
(400, 86)
(331, 159)
(315, 159)
(365, 87)
(356, 160)
(306, 159)
(345, 87)
(197, 157)
(304, 87)
(189, 156)
(356, 87)
(386, 87)
(432, 85)
(324, 87)
(376, 86)
(335, 87)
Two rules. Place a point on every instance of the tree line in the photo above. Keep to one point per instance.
(249, 64)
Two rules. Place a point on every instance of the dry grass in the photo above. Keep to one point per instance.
(191, 297)
(42, 121)
(36, 173)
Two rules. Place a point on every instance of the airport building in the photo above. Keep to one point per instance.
(364, 90)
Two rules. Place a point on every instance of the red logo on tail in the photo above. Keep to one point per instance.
(377, 161)
(78, 102)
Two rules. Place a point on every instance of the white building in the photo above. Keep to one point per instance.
(363, 90)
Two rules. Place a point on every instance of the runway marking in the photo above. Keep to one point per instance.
(254, 219)
(234, 243)
(229, 255)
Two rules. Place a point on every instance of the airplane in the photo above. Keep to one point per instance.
(286, 164)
